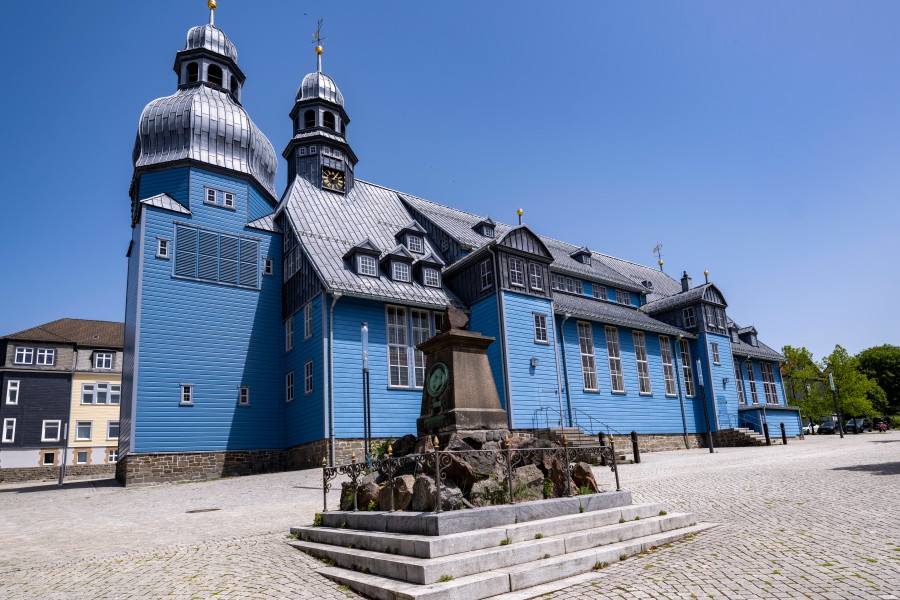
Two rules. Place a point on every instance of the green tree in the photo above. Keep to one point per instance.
(805, 385)
(851, 385)
(882, 363)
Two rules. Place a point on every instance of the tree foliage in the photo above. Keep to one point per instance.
(805, 385)
(882, 364)
(852, 386)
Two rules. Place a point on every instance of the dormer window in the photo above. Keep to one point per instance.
(487, 231)
(582, 255)
(400, 271)
(366, 265)
(431, 277)
(415, 244)
(586, 259)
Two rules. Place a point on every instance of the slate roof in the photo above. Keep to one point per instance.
(167, 202)
(328, 225)
(457, 223)
(266, 223)
(741, 348)
(81, 332)
(614, 314)
(676, 300)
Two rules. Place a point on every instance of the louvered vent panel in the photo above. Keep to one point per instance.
(185, 251)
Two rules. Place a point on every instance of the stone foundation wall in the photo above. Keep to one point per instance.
(51, 473)
(144, 469)
(660, 442)
(306, 456)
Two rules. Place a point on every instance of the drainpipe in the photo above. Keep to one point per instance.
(336, 295)
(565, 372)
(675, 354)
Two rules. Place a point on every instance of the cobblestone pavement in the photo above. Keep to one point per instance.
(814, 519)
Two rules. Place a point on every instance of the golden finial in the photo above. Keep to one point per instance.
(520, 212)
(212, 11)
(390, 450)
(565, 440)
(706, 273)
(436, 443)
(353, 456)
(660, 262)
(317, 40)
(211, 4)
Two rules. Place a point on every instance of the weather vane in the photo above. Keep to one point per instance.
(317, 40)
(657, 250)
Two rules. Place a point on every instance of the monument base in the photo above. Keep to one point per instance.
(463, 419)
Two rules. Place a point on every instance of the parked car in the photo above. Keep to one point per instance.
(810, 428)
(828, 427)
(858, 425)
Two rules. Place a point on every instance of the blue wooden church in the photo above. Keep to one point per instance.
(245, 309)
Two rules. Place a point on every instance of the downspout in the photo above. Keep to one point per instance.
(565, 373)
(712, 383)
(501, 313)
(336, 295)
(675, 354)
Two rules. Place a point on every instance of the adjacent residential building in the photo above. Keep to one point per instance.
(61, 385)
(246, 310)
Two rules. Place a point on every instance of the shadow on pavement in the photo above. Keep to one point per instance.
(889, 468)
(83, 484)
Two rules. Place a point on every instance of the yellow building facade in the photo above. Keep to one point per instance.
(94, 422)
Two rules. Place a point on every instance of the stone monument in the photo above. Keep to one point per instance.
(459, 394)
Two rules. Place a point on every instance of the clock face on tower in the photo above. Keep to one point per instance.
(332, 179)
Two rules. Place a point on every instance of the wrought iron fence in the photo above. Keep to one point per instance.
(436, 463)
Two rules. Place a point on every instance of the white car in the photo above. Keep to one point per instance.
(810, 428)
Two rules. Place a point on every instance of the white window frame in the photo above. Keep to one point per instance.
(52, 453)
(112, 455)
(366, 265)
(516, 272)
(401, 271)
(115, 391)
(50, 422)
(599, 291)
(81, 438)
(187, 394)
(486, 273)
(623, 297)
(614, 352)
(244, 395)
(78, 453)
(431, 277)
(109, 425)
(645, 386)
(9, 427)
(751, 379)
(398, 347)
(289, 387)
(665, 351)
(289, 334)
(535, 277)
(211, 196)
(228, 199)
(45, 357)
(420, 330)
(308, 377)
(769, 387)
(103, 358)
(162, 247)
(487, 231)
(13, 386)
(87, 390)
(588, 364)
(687, 315)
(717, 360)
(268, 266)
(739, 383)
(24, 355)
(307, 321)
(415, 243)
(687, 372)
(541, 333)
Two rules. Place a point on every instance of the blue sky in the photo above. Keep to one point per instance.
(758, 140)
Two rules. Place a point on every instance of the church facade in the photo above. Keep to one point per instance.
(247, 310)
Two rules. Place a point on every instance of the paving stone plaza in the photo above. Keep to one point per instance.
(815, 519)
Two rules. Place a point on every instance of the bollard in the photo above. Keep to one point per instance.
(766, 432)
(783, 435)
(602, 438)
(634, 447)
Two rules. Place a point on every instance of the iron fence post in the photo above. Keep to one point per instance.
(437, 473)
(509, 470)
(601, 437)
(615, 468)
(324, 484)
(568, 470)
(355, 482)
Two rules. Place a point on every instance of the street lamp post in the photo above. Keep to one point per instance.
(709, 440)
(836, 408)
(367, 417)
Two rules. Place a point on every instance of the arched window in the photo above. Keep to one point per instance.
(329, 120)
(234, 86)
(193, 72)
(214, 74)
(342, 128)
(309, 119)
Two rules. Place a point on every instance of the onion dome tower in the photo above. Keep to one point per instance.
(204, 121)
(318, 150)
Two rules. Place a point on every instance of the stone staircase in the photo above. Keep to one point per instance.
(741, 436)
(486, 552)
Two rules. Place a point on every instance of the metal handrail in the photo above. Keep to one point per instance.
(593, 430)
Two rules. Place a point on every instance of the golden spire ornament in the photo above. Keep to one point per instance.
(212, 11)
(317, 40)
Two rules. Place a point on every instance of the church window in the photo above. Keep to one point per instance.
(398, 350)
(228, 199)
(688, 315)
(162, 248)
(643, 366)
(415, 243)
(668, 366)
(487, 275)
(217, 257)
(536, 276)
(187, 395)
(289, 387)
(400, 271)
(193, 72)
(617, 380)
(431, 277)
(686, 370)
(234, 86)
(598, 291)
(312, 149)
(308, 377)
(751, 379)
(302, 151)
(214, 74)
(420, 332)
(365, 265)
(516, 272)
(586, 345)
(487, 231)
(309, 119)
(768, 376)
(307, 321)
(328, 120)
(715, 354)
(623, 298)
(540, 328)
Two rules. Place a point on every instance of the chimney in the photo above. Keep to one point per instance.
(685, 282)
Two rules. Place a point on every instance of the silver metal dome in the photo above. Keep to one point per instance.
(212, 38)
(206, 125)
(319, 85)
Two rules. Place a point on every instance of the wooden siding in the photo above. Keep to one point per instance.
(304, 418)
(214, 337)
(174, 182)
(503, 258)
(258, 205)
(531, 387)
(42, 396)
(523, 240)
(98, 414)
(466, 284)
(132, 304)
(484, 318)
(305, 283)
(726, 400)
